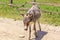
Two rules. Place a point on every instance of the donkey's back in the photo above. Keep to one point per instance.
(35, 11)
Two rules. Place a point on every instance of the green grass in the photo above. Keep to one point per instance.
(16, 1)
(50, 1)
(22, 1)
(53, 19)
(9, 12)
(12, 12)
(50, 8)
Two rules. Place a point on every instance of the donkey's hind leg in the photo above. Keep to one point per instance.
(39, 25)
(35, 29)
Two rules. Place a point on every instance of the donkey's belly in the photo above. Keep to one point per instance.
(37, 16)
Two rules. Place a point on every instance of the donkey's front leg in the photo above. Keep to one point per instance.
(29, 32)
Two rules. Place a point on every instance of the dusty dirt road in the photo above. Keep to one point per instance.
(12, 30)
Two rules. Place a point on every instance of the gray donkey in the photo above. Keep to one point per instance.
(32, 15)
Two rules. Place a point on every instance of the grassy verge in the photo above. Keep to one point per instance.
(50, 18)
(53, 19)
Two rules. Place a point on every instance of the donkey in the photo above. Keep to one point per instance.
(32, 15)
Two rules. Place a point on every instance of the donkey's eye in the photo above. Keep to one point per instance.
(30, 15)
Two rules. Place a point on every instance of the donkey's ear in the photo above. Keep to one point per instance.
(22, 15)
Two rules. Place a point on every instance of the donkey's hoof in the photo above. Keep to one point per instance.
(36, 36)
(40, 29)
(25, 29)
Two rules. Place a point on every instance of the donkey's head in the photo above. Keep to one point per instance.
(26, 20)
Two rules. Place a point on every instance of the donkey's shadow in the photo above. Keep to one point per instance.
(40, 34)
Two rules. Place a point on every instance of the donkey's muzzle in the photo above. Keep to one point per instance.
(26, 28)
